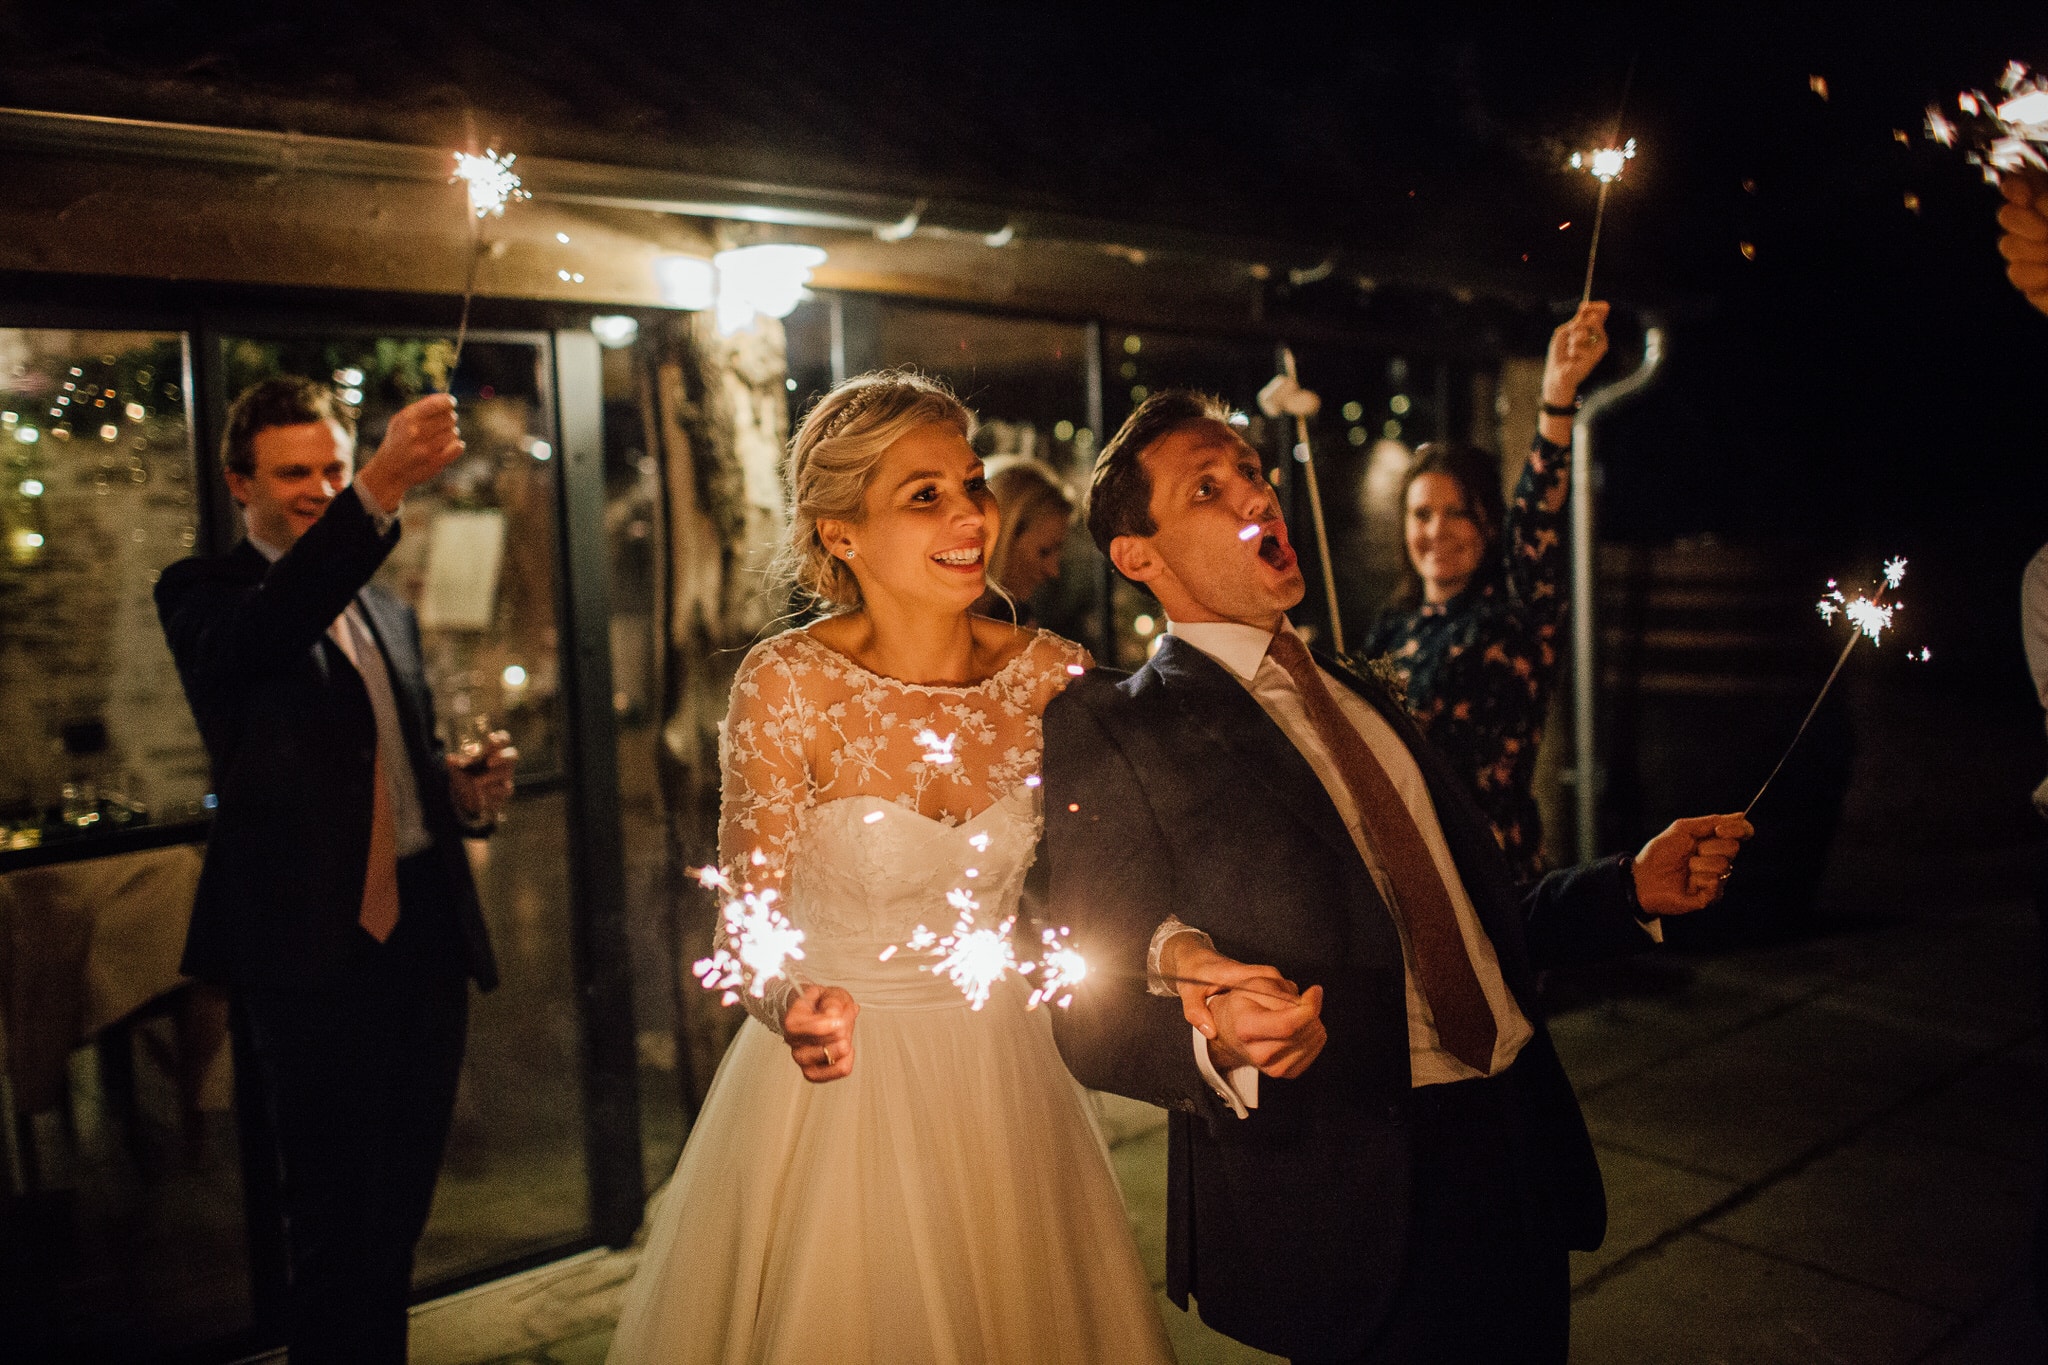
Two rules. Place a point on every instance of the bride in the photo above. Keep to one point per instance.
(881, 1173)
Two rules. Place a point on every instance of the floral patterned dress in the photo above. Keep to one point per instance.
(1478, 669)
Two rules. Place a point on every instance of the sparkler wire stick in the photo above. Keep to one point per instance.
(1607, 168)
(1218, 988)
(1315, 508)
(490, 184)
(1810, 713)
(1870, 620)
(1592, 251)
(476, 259)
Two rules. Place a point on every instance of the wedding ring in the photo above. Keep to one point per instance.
(828, 1054)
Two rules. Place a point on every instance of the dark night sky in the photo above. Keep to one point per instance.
(1867, 384)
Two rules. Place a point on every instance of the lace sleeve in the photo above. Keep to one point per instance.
(1062, 662)
(764, 786)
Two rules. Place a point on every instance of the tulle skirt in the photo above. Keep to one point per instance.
(949, 1201)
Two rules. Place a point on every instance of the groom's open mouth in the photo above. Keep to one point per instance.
(1274, 550)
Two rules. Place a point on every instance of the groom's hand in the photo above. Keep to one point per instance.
(1280, 1035)
(818, 1026)
(1683, 869)
(1251, 1015)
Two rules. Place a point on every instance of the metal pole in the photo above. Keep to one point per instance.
(1585, 663)
(1091, 394)
(835, 317)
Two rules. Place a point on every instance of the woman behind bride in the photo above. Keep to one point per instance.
(881, 1173)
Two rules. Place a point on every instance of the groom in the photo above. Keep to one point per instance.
(1385, 1162)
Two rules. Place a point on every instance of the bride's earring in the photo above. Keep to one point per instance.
(849, 552)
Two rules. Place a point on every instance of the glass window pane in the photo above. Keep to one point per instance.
(97, 495)
(125, 1238)
(480, 561)
(633, 537)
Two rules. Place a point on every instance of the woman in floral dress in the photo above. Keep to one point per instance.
(1472, 633)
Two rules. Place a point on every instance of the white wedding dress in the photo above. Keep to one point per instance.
(950, 1200)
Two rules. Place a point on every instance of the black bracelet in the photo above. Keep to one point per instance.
(1560, 410)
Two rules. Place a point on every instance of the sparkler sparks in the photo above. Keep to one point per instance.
(491, 180)
(1250, 532)
(1870, 618)
(760, 942)
(1605, 163)
(1060, 968)
(1998, 134)
(972, 957)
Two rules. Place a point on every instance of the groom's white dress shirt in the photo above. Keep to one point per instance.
(1241, 650)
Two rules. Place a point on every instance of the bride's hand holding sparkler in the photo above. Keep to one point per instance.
(1576, 349)
(819, 1030)
(420, 441)
(2024, 244)
(1684, 868)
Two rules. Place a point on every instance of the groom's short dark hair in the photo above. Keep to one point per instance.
(1120, 494)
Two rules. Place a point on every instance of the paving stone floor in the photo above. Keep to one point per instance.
(1822, 1152)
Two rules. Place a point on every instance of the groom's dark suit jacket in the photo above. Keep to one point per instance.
(1171, 792)
(287, 722)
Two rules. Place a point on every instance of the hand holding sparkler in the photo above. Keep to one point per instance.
(2025, 241)
(819, 1030)
(1684, 868)
(420, 441)
(1576, 350)
(1251, 1015)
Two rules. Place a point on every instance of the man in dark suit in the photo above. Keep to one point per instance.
(1388, 1165)
(336, 905)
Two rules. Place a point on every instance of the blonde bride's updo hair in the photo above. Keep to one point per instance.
(833, 458)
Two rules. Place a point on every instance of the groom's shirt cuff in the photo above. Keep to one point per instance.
(1239, 1090)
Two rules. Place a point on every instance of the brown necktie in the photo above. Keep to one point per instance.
(1443, 968)
(379, 915)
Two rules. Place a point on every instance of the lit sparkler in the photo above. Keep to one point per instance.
(760, 942)
(1060, 968)
(491, 181)
(938, 751)
(972, 957)
(1604, 164)
(2001, 133)
(1869, 618)
(492, 184)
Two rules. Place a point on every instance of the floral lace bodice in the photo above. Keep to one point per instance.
(817, 753)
